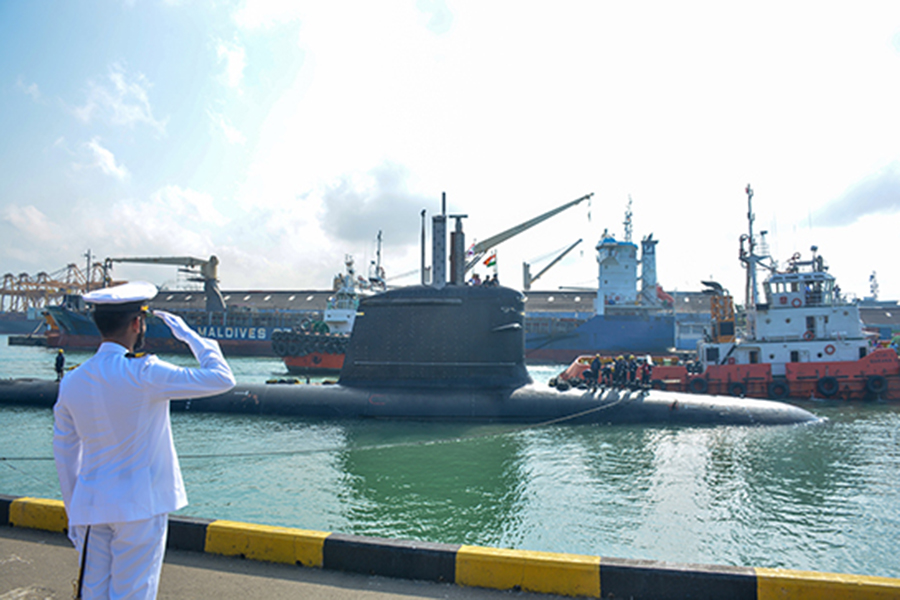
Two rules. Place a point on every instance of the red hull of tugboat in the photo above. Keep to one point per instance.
(313, 363)
(873, 377)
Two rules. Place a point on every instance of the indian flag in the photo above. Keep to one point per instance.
(491, 260)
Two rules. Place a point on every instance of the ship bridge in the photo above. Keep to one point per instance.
(793, 290)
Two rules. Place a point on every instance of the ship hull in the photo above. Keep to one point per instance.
(77, 331)
(309, 352)
(549, 340)
(316, 363)
(19, 323)
(873, 377)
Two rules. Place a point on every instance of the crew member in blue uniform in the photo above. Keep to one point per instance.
(112, 441)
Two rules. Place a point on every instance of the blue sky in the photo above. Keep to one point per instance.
(282, 136)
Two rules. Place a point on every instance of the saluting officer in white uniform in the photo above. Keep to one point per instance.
(112, 441)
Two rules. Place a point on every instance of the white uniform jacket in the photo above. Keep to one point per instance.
(112, 439)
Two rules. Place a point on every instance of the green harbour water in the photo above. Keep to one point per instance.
(824, 497)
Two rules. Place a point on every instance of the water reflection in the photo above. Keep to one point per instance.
(462, 491)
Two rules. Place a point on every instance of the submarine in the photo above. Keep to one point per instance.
(447, 351)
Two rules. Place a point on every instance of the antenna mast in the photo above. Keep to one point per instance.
(627, 223)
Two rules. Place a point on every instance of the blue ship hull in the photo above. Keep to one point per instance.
(561, 340)
(246, 338)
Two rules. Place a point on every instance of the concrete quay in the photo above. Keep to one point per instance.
(41, 565)
(208, 559)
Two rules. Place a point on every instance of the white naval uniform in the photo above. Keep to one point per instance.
(112, 441)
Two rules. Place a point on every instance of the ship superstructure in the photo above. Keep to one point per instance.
(631, 313)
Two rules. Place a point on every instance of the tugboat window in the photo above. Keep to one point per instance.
(795, 356)
(712, 355)
(754, 357)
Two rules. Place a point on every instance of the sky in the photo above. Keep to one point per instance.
(282, 136)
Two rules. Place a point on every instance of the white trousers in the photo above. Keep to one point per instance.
(124, 560)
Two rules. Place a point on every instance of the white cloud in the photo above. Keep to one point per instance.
(221, 122)
(103, 159)
(234, 58)
(195, 207)
(266, 13)
(123, 100)
(31, 222)
(31, 90)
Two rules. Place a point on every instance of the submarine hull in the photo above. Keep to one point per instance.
(532, 403)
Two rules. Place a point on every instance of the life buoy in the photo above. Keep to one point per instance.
(829, 349)
(778, 389)
(698, 385)
(796, 302)
(827, 386)
(737, 389)
(809, 335)
(731, 360)
(877, 384)
(783, 300)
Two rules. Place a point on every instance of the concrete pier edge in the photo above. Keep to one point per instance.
(541, 572)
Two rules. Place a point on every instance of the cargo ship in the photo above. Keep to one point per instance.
(239, 333)
(803, 340)
(629, 313)
(240, 329)
(245, 323)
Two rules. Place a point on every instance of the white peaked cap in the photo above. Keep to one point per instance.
(135, 291)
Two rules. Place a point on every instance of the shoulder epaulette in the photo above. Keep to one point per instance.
(136, 355)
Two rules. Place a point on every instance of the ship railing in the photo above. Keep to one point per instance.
(831, 336)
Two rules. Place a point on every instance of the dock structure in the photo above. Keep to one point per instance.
(481, 567)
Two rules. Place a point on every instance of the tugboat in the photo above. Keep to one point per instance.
(804, 340)
(318, 347)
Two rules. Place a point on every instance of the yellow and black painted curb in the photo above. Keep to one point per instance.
(542, 572)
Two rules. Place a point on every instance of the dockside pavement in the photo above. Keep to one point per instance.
(41, 565)
(225, 559)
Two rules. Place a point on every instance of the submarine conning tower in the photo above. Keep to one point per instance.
(444, 335)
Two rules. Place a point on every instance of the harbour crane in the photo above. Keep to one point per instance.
(527, 279)
(205, 271)
(481, 248)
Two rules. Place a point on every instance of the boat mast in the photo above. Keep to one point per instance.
(750, 260)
